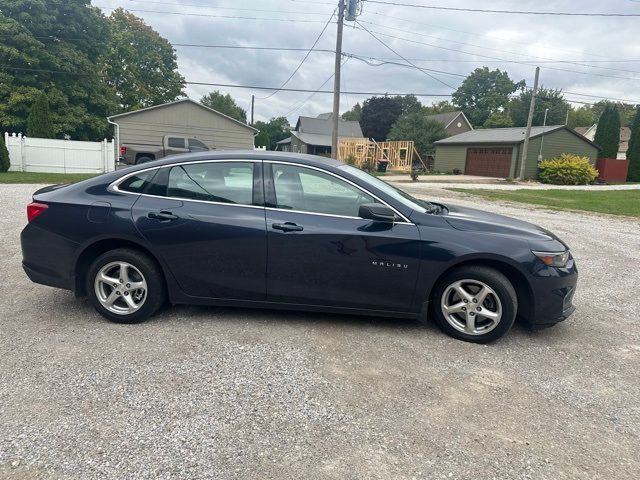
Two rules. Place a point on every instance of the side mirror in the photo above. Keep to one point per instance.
(377, 212)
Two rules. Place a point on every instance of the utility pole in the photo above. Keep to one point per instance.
(336, 82)
(253, 98)
(527, 135)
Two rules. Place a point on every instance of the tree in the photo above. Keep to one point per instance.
(633, 151)
(608, 132)
(55, 47)
(378, 115)
(498, 120)
(418, 128)
(353, 114)
(140, 65)
(545, 98)
(443, 106)
(625, 110)
(224, 104)
(484, 92)
(5, 163)
(410, 103)
(271, 132)
(39, 123)
(581, 117)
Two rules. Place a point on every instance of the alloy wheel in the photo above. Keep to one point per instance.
(120, 288)
(471, 307)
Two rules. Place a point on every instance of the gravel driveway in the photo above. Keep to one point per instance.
(226, 393)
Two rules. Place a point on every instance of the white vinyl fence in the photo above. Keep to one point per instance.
(59, 156)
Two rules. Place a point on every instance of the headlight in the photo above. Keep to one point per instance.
(553, 259)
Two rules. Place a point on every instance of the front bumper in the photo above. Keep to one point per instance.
(553, 291)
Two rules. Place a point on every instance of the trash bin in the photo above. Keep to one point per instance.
(382, 165)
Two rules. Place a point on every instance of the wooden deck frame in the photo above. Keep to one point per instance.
(399, 153)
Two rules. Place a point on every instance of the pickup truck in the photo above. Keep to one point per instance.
(136, 153)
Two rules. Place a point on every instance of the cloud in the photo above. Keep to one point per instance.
(456, 42)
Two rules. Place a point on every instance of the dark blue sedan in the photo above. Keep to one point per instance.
(290, 231)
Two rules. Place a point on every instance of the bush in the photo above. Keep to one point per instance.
(350, 159)
(5, 163)
(567, 169)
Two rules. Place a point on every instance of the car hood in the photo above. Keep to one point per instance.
(473, 220)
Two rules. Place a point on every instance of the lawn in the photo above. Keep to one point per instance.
(48, 178)
(615, 202)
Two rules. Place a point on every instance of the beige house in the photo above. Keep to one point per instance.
(625, 135)
(184, 117)
(453, 122)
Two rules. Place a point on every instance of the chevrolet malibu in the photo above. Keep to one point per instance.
(291, 231)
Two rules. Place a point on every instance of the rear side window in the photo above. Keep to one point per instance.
(137, 183)
(175, 142)
(224, 182)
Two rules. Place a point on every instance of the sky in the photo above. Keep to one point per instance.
(591, 57)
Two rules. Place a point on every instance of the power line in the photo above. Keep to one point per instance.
(521, 62)
(215, 7)
(305, 57)
(234, 17)
(516, 12)
(578, 63)
(403, 58)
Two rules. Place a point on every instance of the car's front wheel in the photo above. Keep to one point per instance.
(475, 304)
(125, 285)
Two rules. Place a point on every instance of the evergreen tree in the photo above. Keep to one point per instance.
(4, 156)
(39, 123)
(633, 152)
(608, 132)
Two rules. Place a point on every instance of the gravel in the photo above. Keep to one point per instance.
(235, 394)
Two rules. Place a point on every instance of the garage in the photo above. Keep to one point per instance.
(490, 162)
(497, 152)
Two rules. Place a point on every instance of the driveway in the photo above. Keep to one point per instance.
(241, 394)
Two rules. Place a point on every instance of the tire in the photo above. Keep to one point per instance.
(134, 294)
(143, 160)
(459, 289)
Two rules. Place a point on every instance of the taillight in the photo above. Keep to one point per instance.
(34, 210)
(123, 151)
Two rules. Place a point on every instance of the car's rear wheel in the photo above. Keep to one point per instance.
(475, 304)
(125, 285)
(140, 160)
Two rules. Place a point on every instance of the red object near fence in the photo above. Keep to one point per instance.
(612, 170)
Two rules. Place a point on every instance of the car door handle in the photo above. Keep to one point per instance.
(162, 215)
(287, 227)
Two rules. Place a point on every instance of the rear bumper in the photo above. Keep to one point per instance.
(47, 258)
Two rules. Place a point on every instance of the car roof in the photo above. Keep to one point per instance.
(286, 157)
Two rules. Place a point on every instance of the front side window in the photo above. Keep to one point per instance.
(195, 144)
(175, 142)
(308, 190)
(225, 182)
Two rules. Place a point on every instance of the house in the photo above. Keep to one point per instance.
(184, 117)
(313, 135)
(625, 135)
(496, 152)
(453, 122)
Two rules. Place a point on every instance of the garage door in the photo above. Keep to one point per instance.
(489, 162)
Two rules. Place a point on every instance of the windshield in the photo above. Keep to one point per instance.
(421, 206)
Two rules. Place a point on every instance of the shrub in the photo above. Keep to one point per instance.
(350, 159)
(5, 163)
(567, 169)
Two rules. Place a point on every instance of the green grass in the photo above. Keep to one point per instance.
(48, 178)
(615, 202)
